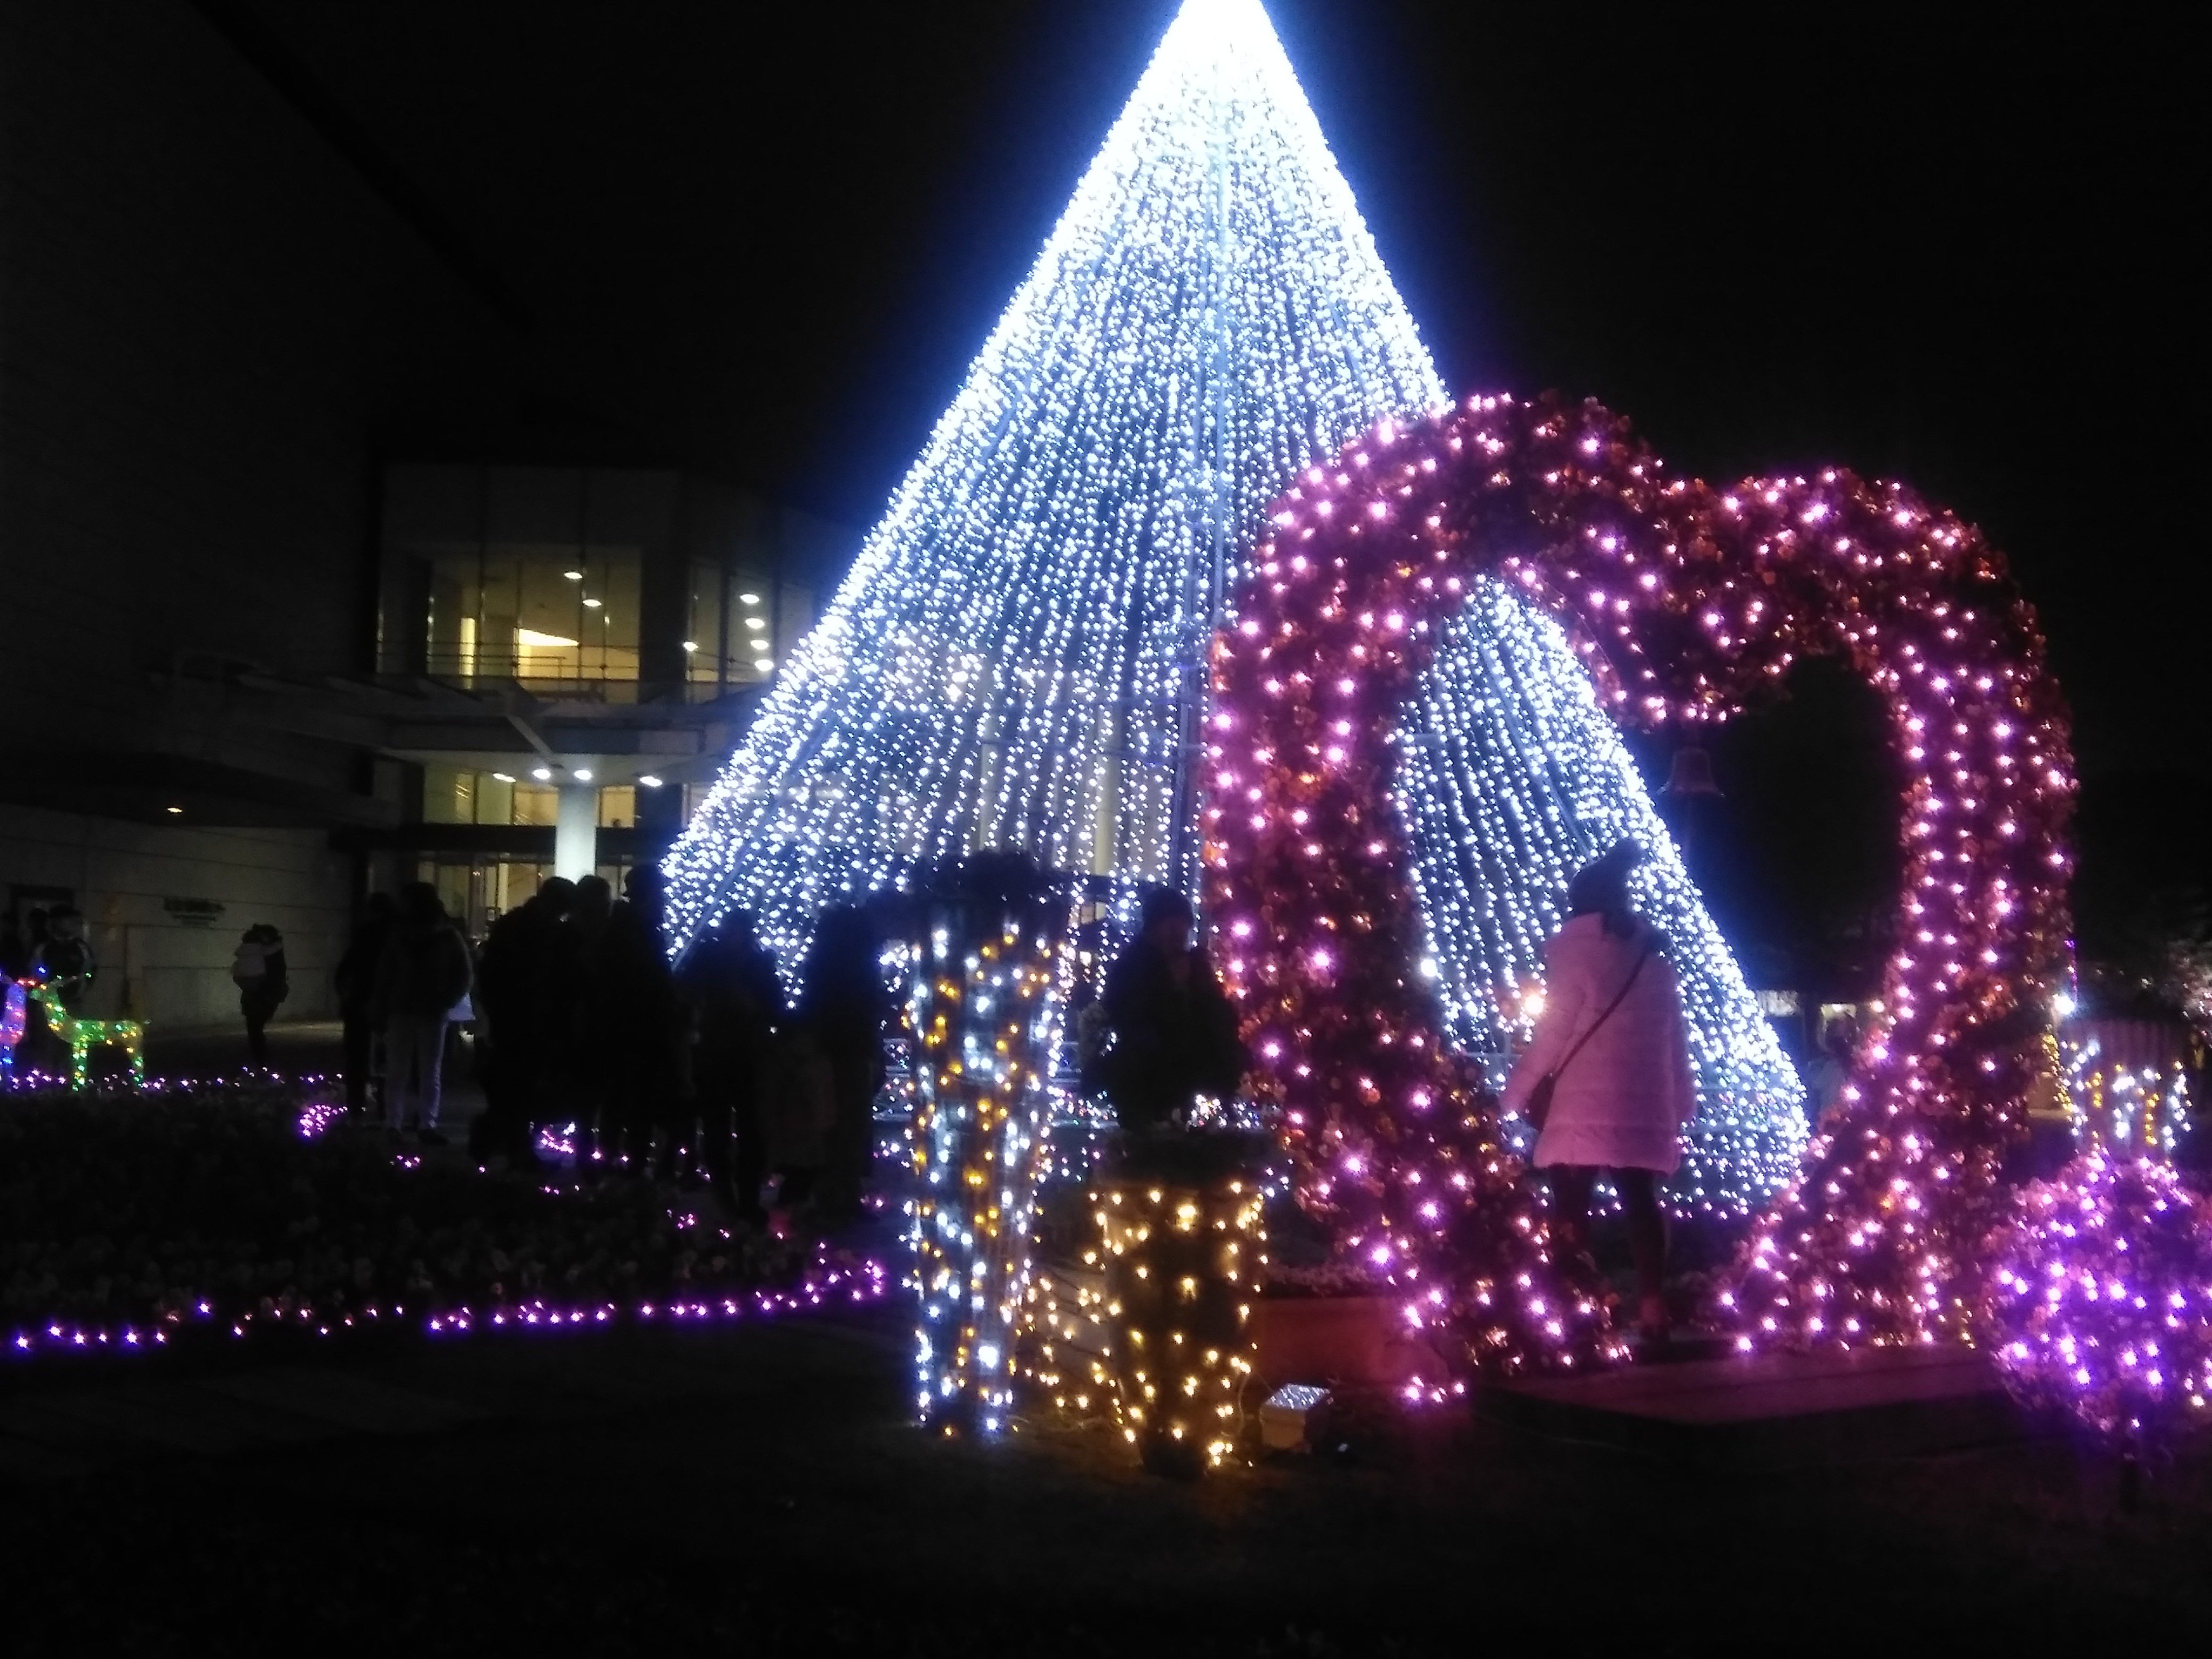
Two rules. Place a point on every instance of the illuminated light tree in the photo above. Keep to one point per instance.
(1015, 661)
(1689, 602)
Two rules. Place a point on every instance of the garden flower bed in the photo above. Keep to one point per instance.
(123, 1219)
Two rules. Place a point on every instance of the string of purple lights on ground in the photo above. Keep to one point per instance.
(827, 1286)
(832, 1278)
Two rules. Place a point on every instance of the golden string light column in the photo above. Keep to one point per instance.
(986, 1019)
(1182, 1259)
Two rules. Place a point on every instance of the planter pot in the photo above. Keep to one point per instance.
(1351, 1341)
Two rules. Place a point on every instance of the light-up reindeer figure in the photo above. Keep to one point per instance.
(82, 1036)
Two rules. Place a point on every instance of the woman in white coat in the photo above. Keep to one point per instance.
(1611, 1041)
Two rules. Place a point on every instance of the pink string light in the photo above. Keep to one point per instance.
(2100, 1299)
(1687, 603)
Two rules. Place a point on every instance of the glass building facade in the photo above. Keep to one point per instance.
(587, 643)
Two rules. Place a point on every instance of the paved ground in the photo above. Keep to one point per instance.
(760, 1490)
(295, 1046)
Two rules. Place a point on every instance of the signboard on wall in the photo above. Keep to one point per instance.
(192, 912)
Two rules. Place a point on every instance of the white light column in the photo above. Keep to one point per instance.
(576, 832)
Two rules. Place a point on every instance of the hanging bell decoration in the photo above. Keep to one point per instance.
(1693, 774)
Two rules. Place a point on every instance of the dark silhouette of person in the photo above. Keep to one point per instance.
(525, 997)
(729, 978)
(15, 949)
(64, 960)
(425, 972)
(589, 1042)
(843, 1006)
(258, 969)
(1173, 1029)
(644, 1021)
(355, 979)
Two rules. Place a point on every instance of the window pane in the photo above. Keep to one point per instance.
(550, 618)
(617, 806)
(495, 800)
(702, 633)
(448, 795)
(752, 628)
(534, 803)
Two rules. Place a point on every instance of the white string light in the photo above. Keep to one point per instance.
(1004, 666)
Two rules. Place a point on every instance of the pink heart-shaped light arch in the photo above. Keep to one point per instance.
(1687, 603)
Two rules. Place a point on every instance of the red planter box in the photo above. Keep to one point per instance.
(1360, 1340)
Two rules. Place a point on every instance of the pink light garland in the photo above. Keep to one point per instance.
(2099, 1300)
(1687, 603)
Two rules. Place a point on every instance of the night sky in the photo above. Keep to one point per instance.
(764, 242)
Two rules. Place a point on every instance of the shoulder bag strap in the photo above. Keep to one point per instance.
(1620, 997)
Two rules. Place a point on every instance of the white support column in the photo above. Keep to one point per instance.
(576, 831)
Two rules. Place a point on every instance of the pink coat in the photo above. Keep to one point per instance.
(1622, 1101)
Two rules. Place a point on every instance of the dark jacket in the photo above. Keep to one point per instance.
(268, 992)
(423, 973)
(526, 986)
(736, 1002)
(636, 989)
(1171, 1043)
(359, 968)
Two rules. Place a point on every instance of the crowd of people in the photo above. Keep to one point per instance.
(702, 1067)
(699, 1067)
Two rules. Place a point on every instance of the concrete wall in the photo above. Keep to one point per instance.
(154, 966)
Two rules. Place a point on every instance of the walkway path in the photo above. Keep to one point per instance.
(65, 1429)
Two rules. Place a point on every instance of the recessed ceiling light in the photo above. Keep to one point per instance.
(574, 575)
(543, 774)
(754, 622)
(547, 642)
(172, 809)
(691, 645)
(592, 605)
(582, 775)
(748, 598)
(502, 777)
(648, 779)
(763, 663)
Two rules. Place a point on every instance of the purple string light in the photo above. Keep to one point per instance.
(825, 1284)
